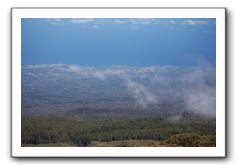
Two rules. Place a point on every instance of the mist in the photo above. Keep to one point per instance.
(193, 87)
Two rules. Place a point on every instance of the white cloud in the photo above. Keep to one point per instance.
(118, 21)
(81, 20)
(201, 100)
(114, 21)
(142, 20)
(194, 22)
(57, 19)
(150, 85)
(172, 22)
(141, 94)
(130, 21)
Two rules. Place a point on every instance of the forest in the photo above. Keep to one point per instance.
(186, 130)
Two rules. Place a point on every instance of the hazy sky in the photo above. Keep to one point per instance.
(106, 42)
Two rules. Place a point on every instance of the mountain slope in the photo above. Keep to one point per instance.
(122, 91)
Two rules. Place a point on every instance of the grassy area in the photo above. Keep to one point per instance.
(121, 143)
(49, 145)
(131, 143)
(150, 131)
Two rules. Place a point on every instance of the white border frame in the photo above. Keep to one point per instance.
(218, 151)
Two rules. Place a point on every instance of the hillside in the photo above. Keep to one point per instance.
(75, 90)
(70, 105)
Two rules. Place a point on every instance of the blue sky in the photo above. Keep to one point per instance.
(109, 42)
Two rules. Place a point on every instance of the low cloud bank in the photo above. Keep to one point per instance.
(194, 86)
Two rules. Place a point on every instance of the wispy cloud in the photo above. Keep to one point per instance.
(143, 20)
(81, 20)
(118, 21)
(57, 19)
(193, 87)
(100, 21)
(194, 22)
(132, 23)
(142, 95)
(172, 22)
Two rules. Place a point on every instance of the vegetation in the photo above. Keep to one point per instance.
(132, 143)
(192, 139)
(150, 131)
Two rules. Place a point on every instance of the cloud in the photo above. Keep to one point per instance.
(194, 22)
(118, 21)
(142, 20)
(201, 101)
(200, 97)
(141, 94)
(100, 21)
(172, 22)
(57, 19)
(126, 21)
(81, 20)
(132, 23)
(190, 89)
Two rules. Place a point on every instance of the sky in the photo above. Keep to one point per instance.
(119, 41)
